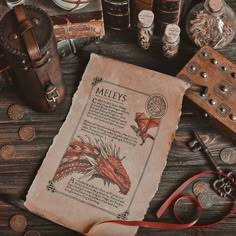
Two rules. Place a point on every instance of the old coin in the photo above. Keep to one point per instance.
(205, 199)
(200, 187)
(7, 152)
(15, 112)
(228, 155)
(26, 133)
(32, 233)
(18, 223)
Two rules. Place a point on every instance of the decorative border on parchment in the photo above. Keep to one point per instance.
(123, 215)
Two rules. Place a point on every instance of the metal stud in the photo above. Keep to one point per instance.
(232, 117)
(224, 68)
(214, 61)
(224, 89)
(194, 68)
(204, 54)
(13, 37)
(222, 109)
(233, 75)
(204, 75)
(23, 61)
(49, 60)
(212, 102)
(36, 21)
(26, 68)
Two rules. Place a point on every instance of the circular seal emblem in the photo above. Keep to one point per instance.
(156, 105)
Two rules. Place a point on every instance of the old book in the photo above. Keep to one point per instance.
(169, 12)
(117, 14)
(107, 160)
(137, 6)
(86, 21)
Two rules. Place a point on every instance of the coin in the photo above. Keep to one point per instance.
(228, 155)
(32, 233)
(7, 152)
(26, 133)
(15, 112)
(18, 223)
(200, 187)
(205, 199)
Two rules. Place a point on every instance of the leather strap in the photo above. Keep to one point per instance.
(25, 29)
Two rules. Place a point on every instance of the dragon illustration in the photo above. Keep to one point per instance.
(144, 124)
(94, 159)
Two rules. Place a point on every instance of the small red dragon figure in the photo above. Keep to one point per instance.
(96, 159)
(144, 124)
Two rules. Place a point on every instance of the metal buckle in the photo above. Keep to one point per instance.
(52, 94)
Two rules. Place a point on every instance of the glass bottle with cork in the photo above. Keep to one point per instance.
(171, 41)
(145, 28)
(211, 23)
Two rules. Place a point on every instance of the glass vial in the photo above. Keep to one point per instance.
(211, 23)
(171, 40)
(12, 3)
(145, 28)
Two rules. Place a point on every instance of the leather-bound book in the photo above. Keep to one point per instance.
(84, 21)
(116, 14)
(168, 12)
(137, 6)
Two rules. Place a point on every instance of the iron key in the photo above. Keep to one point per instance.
(223, 186)
(198, 144)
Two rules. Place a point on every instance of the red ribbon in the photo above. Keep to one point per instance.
(162, 209)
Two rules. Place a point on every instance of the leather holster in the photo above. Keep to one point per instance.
(29, 46)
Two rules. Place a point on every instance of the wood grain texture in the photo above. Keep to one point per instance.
(17, 174)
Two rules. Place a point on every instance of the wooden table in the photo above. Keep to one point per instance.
(17, 174)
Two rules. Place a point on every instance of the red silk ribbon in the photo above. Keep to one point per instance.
(162, 209)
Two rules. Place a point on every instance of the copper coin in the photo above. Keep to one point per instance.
(26, 133)
(18, 223)
(205, 199)
(15, 112)
(228, 155)
(32, 233)
(200, 187)
(7, 152)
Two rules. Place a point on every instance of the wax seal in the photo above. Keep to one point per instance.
(26, 133)
(15, 112)
(7, 152)
(18, 223)
(156, 105)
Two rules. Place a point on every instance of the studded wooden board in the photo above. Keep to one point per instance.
(211, 69)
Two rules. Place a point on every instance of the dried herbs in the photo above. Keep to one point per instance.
(206, 27)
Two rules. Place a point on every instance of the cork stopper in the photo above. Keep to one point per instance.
(172, 33)
(215, 5)
(145, 18)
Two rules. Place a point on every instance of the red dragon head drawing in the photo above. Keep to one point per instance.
(94, 159)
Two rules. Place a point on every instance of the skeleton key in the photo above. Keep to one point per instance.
(222, 186)
(198, 144)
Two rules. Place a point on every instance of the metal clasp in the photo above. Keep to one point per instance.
(52, 94)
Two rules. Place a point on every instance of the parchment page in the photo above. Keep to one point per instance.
(107, 160)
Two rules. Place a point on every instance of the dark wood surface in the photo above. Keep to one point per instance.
(17, 174)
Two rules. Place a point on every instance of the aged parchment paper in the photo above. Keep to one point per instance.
(107, 160)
